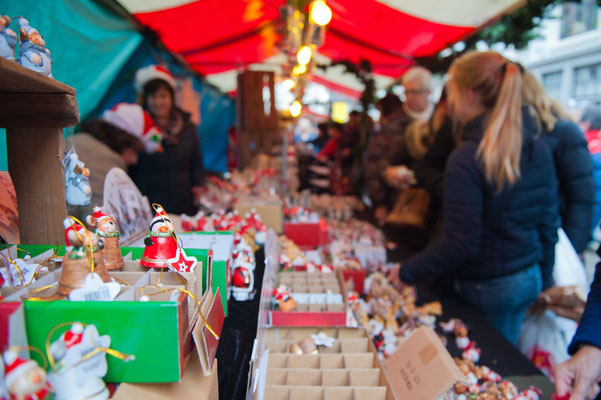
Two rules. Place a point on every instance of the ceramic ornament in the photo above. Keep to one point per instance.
(77, 187)
(72, 377)
(161, 247)
(243, 277)
(8, 39)
(24, 379)
(105, 227)
(76, 262)
(283, 299)
(33, 53)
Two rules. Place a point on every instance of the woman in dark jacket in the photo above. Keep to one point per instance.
(500, 198)
(171, 178)
(573, 163)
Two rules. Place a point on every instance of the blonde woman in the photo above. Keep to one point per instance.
(500, 197)
(573, 163)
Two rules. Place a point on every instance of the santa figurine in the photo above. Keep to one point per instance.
(283, 299)
(67, 340)
(105, 228)
(25, 379)
(161, 247)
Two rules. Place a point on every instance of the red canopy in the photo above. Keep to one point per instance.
(219, 37)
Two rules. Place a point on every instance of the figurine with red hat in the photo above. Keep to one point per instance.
(25, 379)
(105, 227)
(161, 247)
(73, 376)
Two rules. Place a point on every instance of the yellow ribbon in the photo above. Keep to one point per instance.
(112, 352)
(121, 280)
(191, 295)
(26, 297)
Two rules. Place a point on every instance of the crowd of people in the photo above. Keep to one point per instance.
(502, 164)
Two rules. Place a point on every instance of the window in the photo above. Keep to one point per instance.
(552, 84)
(587, 82)
(578, 17)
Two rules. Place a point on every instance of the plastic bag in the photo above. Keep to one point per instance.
(544, 339)
(568, 269)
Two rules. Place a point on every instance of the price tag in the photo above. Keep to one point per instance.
(95, 289)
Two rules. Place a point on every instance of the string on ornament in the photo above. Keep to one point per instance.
(18, 348)
(11, 261)
(117, 354)
(27, 296)
(190, 294)
(171, 231)
(121, 280)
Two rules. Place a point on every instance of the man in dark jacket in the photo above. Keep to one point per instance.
(582, 372)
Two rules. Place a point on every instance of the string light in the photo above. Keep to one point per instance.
(320, 13)
(304, 55)
(288, 84)
(295, 109)
(299, 69)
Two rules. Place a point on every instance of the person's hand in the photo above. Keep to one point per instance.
(380, 215)
(394, 277)
(399, 177)
(581, 374)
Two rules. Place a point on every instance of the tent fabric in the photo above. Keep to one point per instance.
(219, 37)
(88, 42)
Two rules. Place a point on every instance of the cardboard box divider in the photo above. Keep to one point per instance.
(282, 392)
(335, 377)
(303, 361)
(297, 333)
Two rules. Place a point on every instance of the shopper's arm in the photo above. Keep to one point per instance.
(463, 222)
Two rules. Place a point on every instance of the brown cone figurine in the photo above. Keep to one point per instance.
(76, 262)
(105, 227)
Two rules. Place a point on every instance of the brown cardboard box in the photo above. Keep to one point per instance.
(270, 210)
(421, 368)
(194, 385)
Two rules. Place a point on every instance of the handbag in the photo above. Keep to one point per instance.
(410, 209)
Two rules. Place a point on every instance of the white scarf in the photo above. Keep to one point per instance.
(422, 116)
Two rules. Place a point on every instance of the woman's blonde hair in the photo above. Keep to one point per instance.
(548, 110)
(499, 83)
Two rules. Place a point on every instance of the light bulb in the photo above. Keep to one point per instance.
(295, 108)
(320, 13)
(299, 70)
(304, 55)
(288, 84)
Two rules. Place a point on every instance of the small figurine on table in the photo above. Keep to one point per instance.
(34, 54)
(25, 379)
(105, 227)
(8, 39)
(77, 187)
(161, 247)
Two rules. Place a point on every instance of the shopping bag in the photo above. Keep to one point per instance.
(544, 339)
(568, 269)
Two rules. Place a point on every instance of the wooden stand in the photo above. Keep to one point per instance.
(257, 129)
(34, 110)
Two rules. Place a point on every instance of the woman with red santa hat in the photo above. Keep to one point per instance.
(172, 178)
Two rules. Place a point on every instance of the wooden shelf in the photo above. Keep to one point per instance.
(32, 100)
(34, 110)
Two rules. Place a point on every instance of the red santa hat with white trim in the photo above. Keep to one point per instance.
(152, 72)
(161, 218)
(70, 228)
(74, 335)
(132, 119)
(15, 366)
(99, 215)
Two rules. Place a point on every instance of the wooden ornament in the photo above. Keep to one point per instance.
(76, 267)
(112, 254)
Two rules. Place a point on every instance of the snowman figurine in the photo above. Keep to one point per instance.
(8, 39)
(24, 379)
(77, 191)
(72, 378)
(161, 248)
(34, 54)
